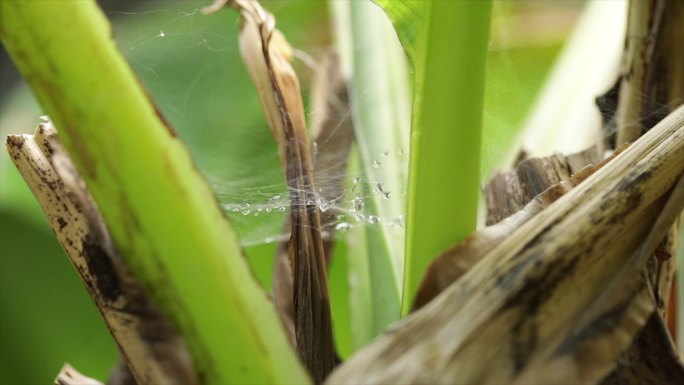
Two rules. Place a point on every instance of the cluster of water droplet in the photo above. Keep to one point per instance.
(354, 207)
(350, 211)
(378, 162)
(274, 204)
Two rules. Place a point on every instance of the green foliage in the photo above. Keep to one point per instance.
(380, 111)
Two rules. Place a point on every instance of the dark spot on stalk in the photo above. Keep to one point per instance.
(62, 223)
(603, 324)
(505, 281)
(524, 340)
(100, 266)
(48, 147)
(15, 141)
(538, 288)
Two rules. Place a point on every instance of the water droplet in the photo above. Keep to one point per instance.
(383, 194)
(161, 34)
(356, 183)
(386, 153)
(245, 208)
(343, 226)
(274, 198)
(357, 204)
(281, 208)
(340, 217)
(310, 202)
(400, 152)
(373, 219)
(314, 151)
(376, 163)
(45, 118)
(397, 222)
(269, 209)
(359, 217)
(324, 204)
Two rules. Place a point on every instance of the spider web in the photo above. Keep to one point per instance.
(190, 63)
(191, 66)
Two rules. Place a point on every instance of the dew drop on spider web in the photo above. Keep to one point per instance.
(343, 226)
(357, 204)
(245, 207)
(324, 204)
(381, 192)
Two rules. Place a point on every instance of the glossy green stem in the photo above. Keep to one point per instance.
(446, 134)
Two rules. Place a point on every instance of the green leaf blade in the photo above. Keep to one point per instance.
(446, 135)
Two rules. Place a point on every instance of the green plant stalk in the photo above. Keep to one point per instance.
(445, 137)
(161, 212)
(359, 278)
(380, 109)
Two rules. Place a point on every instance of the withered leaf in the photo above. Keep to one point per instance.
(266, 53)
(532, 310)
(333, 131)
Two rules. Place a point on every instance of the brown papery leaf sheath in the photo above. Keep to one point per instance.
(333, 132)
(550, 173)
(558, 300)
(266, 55)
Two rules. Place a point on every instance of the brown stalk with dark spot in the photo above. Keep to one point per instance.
(152, 351)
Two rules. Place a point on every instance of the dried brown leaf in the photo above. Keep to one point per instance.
(549, 174)
(266, 55)
(333, 133)
(531, 311)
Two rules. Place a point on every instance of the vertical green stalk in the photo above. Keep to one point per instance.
(445, 137)
(380, 101)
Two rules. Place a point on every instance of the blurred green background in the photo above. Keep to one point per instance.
(190, 64)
